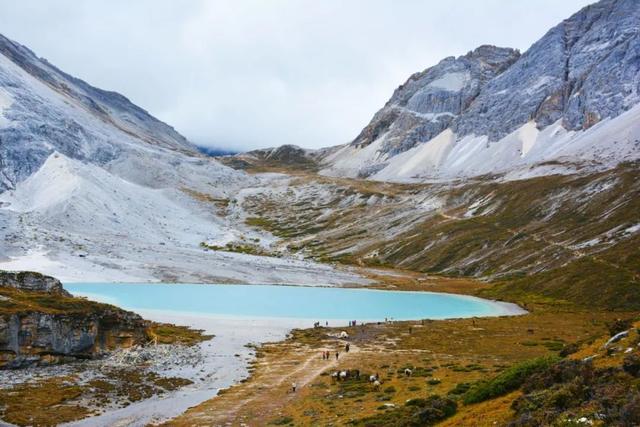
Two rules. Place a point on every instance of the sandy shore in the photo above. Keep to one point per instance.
(225, 363)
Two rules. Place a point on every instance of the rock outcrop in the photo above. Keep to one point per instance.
(40, 323)
(583, 70)
(32, 281)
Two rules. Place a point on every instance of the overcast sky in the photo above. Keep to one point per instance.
(243, 74)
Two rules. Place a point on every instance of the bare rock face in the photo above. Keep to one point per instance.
(32, 281)
(42, 338)
(583, 70)
(431, 100)
(580, 73)
(41, 323)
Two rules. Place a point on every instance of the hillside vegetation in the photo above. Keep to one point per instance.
(573, 239)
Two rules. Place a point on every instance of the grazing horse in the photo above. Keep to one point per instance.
(408, 372)
(376, 385)
(344, 375)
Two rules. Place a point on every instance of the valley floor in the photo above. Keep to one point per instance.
(443, 355)
(565, 248)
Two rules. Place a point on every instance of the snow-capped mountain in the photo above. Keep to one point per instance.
(93, 187)
(566, 103)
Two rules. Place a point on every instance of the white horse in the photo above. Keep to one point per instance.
(376, 385)
(344, 375)
(408, 372)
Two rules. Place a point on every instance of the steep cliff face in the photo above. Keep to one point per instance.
(425, 105)
(430, 101)
(40, 323)
(495, 112)
(583, 70)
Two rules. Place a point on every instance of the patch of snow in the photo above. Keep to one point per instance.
(528, 135)
(433, 117)
(632, 229)
(587, 244)
(480, 202)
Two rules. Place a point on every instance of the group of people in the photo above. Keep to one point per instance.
(326, 355)
(317, 324)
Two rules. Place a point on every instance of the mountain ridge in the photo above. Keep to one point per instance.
(46, 110)
(583, 71)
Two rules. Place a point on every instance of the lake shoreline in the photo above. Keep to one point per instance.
(296, 302)
(232, 352)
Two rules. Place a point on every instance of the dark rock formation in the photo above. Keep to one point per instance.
(40, 323)
(32, 281)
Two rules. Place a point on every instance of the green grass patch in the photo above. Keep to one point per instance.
(507, 381)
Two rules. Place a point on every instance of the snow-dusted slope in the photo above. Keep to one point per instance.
(43, 110)
(494, 112)
(93, 188)
(80, 222)
(524, 153)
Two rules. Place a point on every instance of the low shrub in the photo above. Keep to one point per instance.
(281, 421)
(460, 389)
(415, 413)
(631, 364)
(573, 389)
(507, 381)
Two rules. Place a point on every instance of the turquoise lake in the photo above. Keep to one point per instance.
(318, 303)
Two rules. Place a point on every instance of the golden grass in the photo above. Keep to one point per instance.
(442, 354)
(42, 403)
(166, 333)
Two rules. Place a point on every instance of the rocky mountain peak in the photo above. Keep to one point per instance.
(429, 101)
(581, 72)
